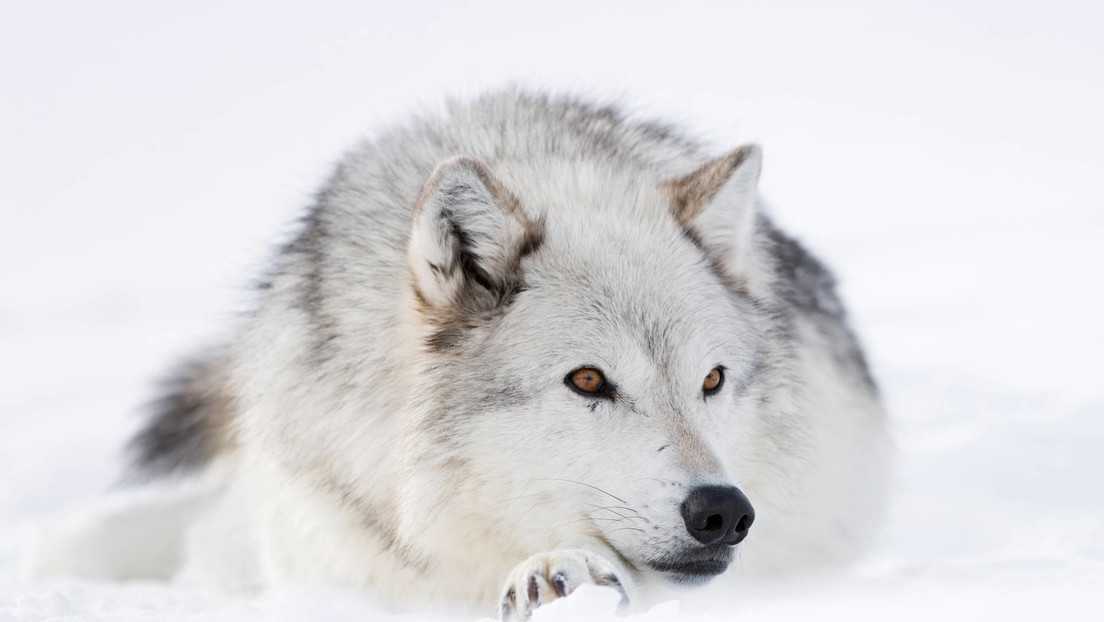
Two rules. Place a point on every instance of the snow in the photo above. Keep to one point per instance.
(943, 157)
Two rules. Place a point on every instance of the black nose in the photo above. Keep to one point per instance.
(717, 514)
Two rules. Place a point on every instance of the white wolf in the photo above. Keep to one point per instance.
(518, 347)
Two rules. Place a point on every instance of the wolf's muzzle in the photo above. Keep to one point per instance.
(717, 515)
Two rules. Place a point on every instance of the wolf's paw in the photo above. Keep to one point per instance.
(545, 577)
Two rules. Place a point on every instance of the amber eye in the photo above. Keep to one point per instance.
(587, 380)
(713, 380)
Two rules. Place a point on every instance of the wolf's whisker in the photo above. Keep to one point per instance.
(636, 517)
(571, 481)
(623, 528)
(614, 507)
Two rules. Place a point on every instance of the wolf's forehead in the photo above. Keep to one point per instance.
(568, 188)
(636, 338)
(619, 286)
(628, 255)
(613, 261)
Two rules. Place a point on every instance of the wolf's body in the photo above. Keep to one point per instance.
(395, 415)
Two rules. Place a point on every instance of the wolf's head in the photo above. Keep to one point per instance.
(591, 352)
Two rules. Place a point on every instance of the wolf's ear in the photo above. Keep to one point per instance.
(469, 235)
(716, 203)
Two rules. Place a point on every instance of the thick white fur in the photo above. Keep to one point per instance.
(428, 477)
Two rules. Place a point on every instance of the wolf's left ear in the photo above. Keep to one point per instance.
(468, 236)
(716, 203)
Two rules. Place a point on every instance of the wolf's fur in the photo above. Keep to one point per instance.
(395, 416)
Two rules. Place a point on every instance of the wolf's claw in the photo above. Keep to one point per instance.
(543, 578)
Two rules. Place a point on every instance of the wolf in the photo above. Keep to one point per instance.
(517, 346)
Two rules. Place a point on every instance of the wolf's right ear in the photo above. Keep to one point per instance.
(468, 237)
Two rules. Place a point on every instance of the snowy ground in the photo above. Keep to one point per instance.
(946, 160)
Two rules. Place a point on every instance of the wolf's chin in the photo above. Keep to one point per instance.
(695, 567)
(688, 580)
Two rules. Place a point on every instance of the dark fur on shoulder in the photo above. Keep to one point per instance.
(810, 287)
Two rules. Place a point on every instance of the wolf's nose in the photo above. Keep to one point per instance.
(717, 514)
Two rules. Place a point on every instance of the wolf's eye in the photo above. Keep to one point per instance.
(586, 380)
(713, 380)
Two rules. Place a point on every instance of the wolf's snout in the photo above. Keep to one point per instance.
(717, 515)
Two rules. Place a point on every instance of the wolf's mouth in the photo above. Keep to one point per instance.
(695, 566)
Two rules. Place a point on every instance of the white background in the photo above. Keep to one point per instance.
(946, 159)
